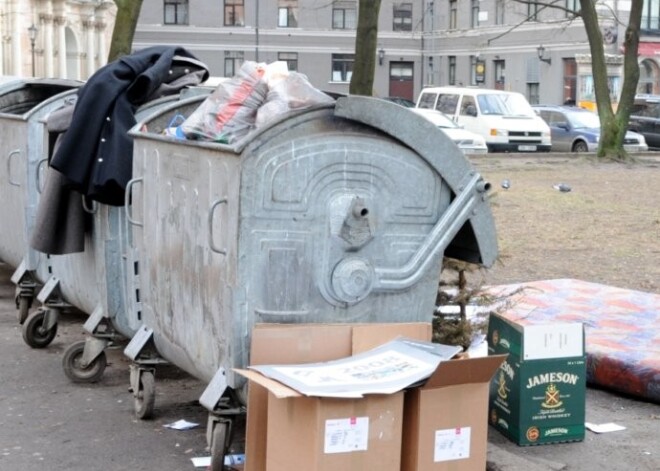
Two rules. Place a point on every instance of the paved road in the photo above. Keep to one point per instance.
(48, 423)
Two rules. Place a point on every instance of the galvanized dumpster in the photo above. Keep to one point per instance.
(99, 281)
(338, 213)
(23, 144)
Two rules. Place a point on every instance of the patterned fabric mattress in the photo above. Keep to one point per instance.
(622, 328)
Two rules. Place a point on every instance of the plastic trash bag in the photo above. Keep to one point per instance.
(229, 113)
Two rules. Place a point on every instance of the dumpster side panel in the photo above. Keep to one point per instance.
(13, 194)
(188, 286)
(306, 256)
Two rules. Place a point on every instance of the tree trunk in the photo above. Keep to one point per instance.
(366, 38)
(128, 12)
(613, 125)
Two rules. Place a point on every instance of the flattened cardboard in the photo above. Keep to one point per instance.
(455, 398)
(307, 343)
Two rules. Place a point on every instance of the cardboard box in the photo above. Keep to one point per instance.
(538, 395)
(278, 427)
(446, 420)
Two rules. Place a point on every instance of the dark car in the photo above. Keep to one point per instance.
(645, 119)
(575, 129)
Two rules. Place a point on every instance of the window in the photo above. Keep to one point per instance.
(176, 12)
(291, 59)
(452, 70)
(572, 7)
(474, 16)
(533, 11)
(533, 93)
(287, 14)
(233, 62)
(342, 67)
(499, 12)
(468, 106)
(473, 70)
(401, 71)
(234, 13)
(570, 81)
(344, 15)
(402, 17)
(498, 65)
(651, 15)
(453, 14)
(447, 103)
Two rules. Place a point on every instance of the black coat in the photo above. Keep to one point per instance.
(96, 153)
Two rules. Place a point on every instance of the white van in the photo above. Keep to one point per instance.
(505, 119)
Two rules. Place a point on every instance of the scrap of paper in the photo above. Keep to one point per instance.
(604, 428)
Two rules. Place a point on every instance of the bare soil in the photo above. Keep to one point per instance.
(605, 230)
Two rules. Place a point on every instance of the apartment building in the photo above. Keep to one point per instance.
(55, 38)
(531, 48)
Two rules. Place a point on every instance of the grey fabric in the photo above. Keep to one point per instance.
(60, 221)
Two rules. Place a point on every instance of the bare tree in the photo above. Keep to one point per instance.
(613, 124)
(128, 12)
(366, 39)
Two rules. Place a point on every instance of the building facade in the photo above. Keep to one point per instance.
(530, 48)
(55, 38)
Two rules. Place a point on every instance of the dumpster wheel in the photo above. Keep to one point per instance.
(74, 369)
(34, 333)
(145, 396)
(218, 446)
(23, 305)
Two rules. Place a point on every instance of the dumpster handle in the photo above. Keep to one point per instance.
(13, 152)
(37, 176)
(127, 199)
(211, 213)
(91, 210)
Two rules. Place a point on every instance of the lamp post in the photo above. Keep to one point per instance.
(32, 32)
(541, 53)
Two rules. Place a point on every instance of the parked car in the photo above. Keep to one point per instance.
(645, 119)
(504, 119)
(467, 141)
(576, 129)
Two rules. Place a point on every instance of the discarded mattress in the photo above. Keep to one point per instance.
(622, 328)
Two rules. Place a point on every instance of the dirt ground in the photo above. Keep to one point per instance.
(605, 230)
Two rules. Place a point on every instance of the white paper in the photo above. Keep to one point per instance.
(181, 425)
(452, 444)
(557, 340)
(386, 369)
(604, 428)
(201, 461)
(346, 435)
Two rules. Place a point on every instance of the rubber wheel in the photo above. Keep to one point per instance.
(146, 396)
(71, 362)
(23, 309)
(218, 440)
(33, 332)
(580, 146)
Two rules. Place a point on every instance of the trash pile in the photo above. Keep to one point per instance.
(258, 94)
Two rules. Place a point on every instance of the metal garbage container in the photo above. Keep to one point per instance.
(337, 213)
(98, 281)
(23, 143)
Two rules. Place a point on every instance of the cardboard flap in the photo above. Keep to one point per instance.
(365, 337)
(470, 370)
(279, 390)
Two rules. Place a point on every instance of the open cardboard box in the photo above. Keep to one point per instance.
(273, 422)
(287, 431)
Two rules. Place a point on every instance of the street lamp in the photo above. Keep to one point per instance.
(541, 52)
(381, 56)
(32, 32)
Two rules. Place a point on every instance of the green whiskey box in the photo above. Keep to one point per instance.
(538, 394)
